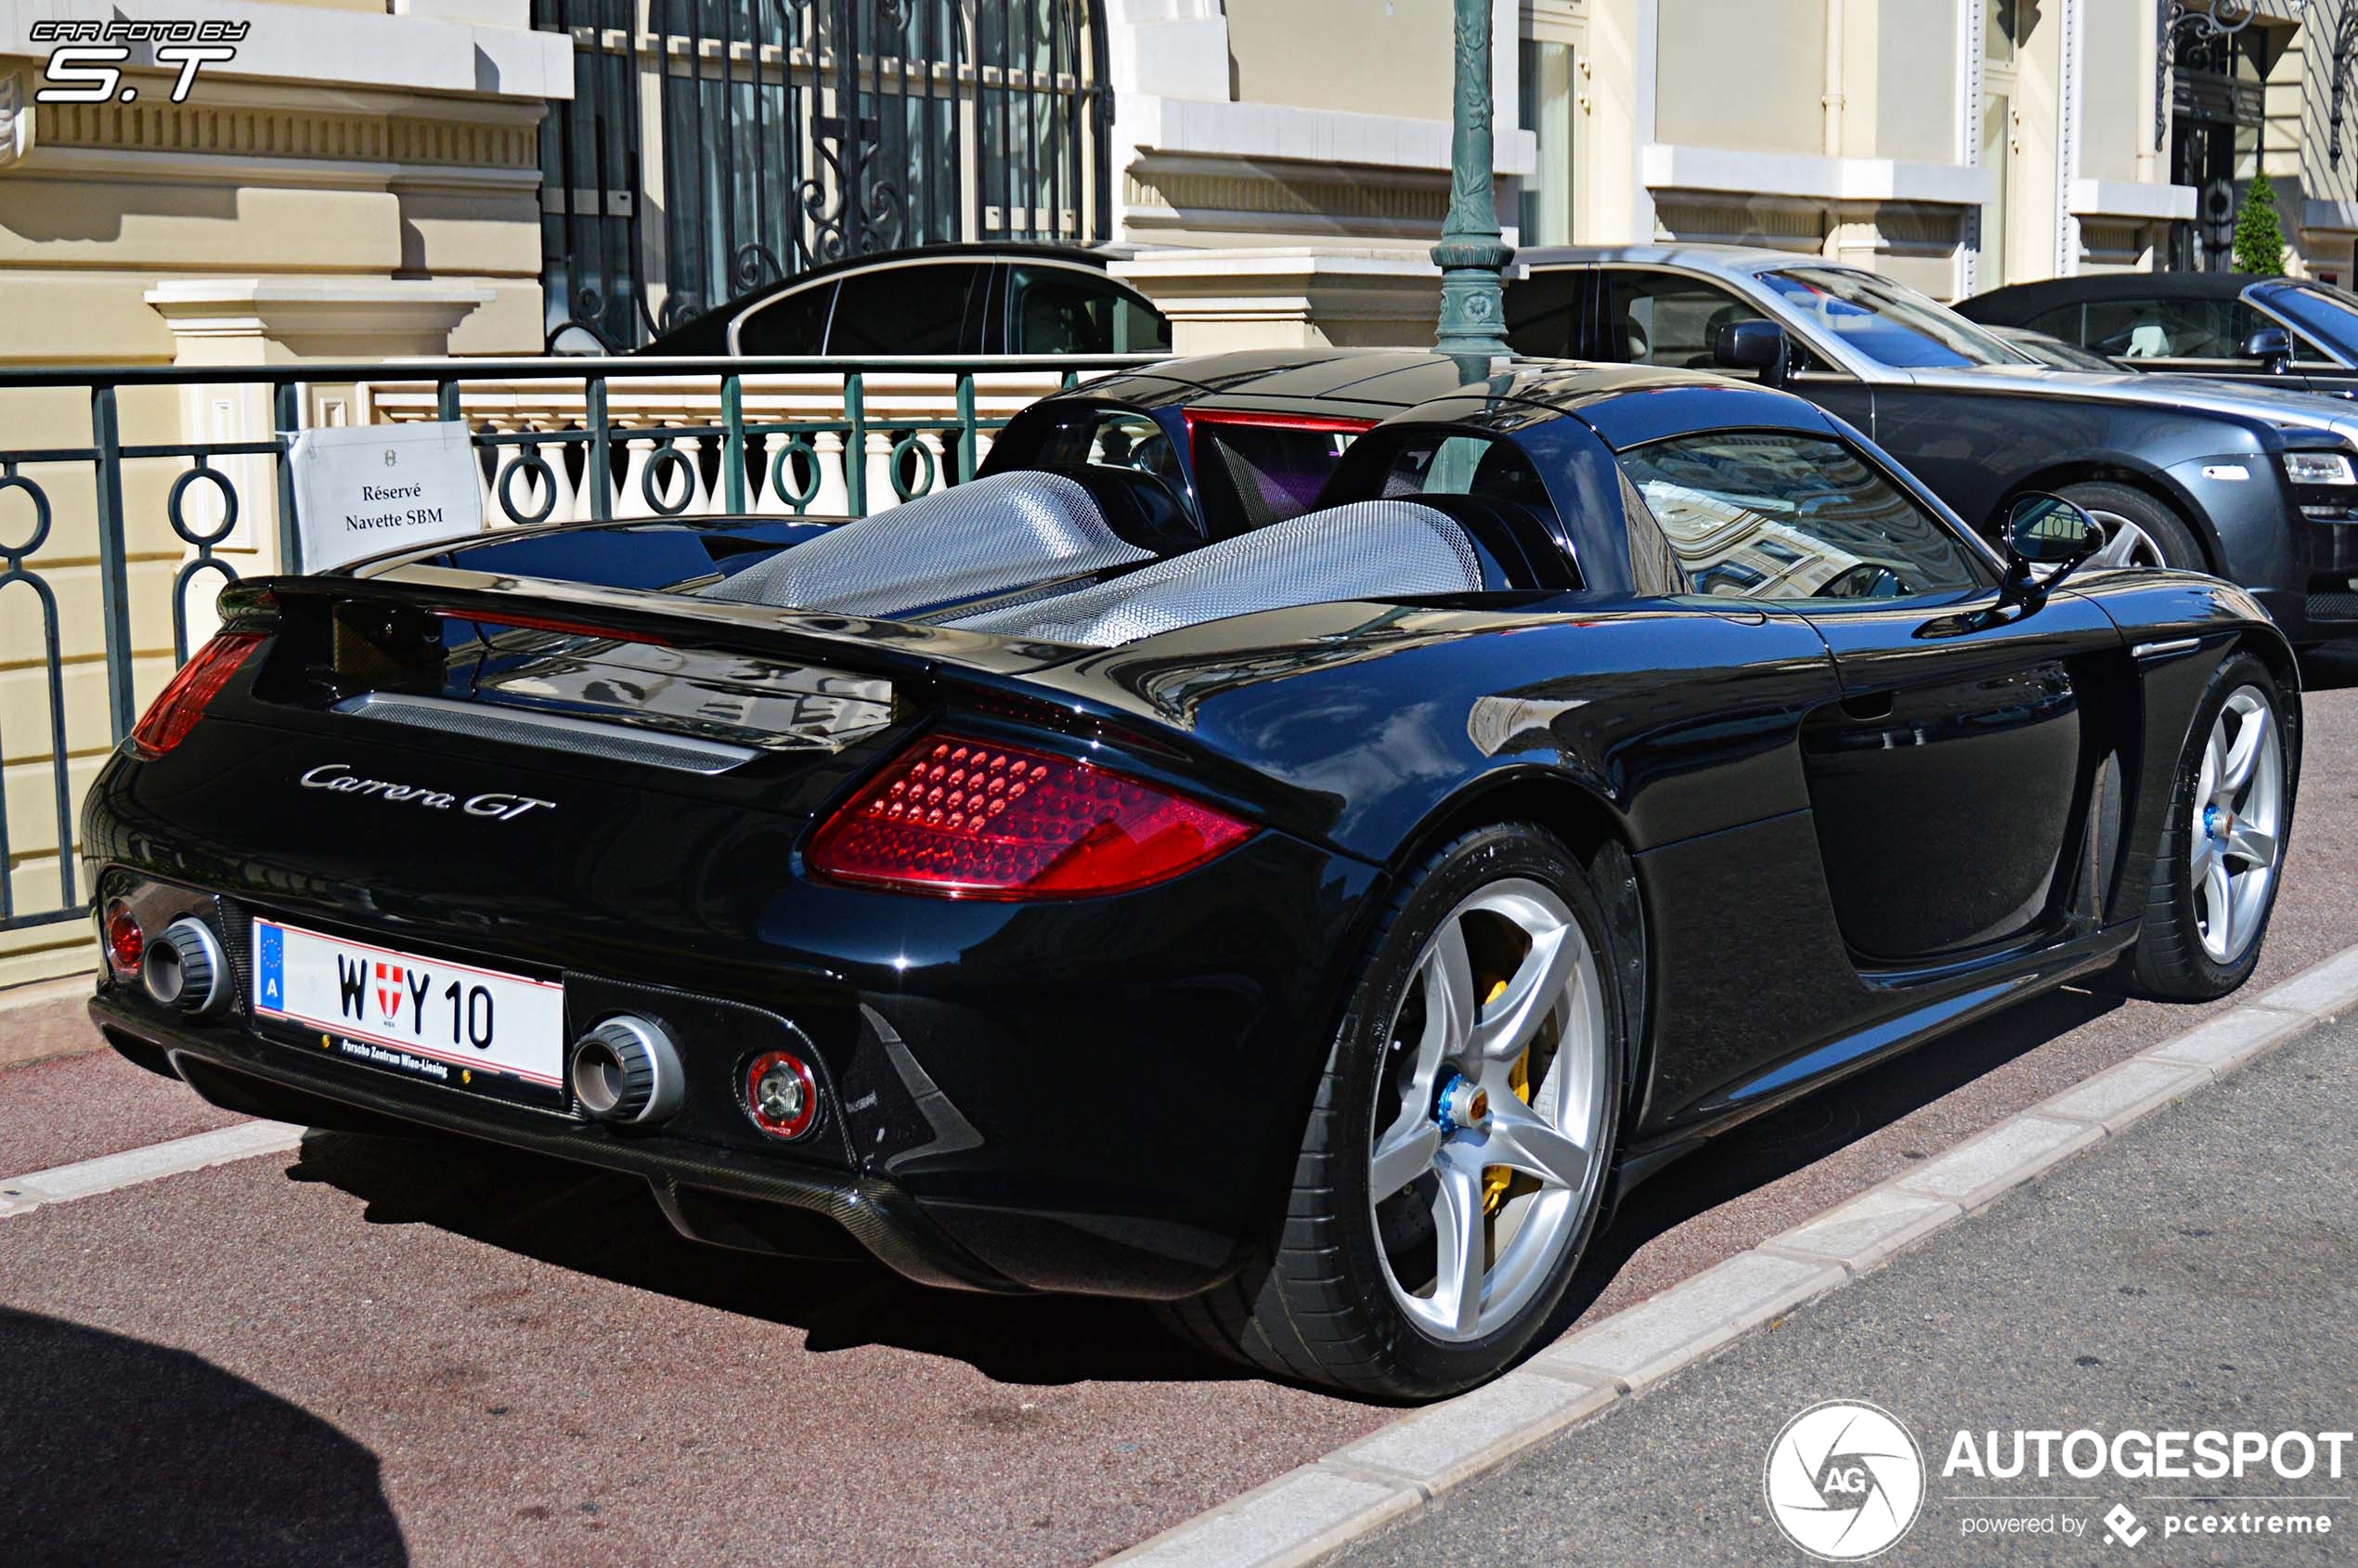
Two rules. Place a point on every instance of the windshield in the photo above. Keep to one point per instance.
(2325, 312)
(1888, 323)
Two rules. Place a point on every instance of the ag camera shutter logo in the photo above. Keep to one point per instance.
(1843, 1479)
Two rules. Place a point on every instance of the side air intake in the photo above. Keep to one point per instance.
(972, 541)
(1369, 549)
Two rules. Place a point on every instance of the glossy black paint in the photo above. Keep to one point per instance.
(1850, 830)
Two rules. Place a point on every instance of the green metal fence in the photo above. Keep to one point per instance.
(933, 434)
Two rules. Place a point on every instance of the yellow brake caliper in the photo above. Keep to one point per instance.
(1496, 1179)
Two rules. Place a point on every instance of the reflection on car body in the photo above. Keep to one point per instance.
(1606, 755)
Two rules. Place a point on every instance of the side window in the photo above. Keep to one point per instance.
(914, 309)
(1662, 318)
(1109, 438)
(1543, 313)
(1465, 465)
(2068, 322)
(2171, 328)
(1775, 515)
(1067, 310)
(793, 323)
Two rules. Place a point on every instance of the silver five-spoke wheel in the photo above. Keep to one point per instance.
(1490, 1113)
(2126, 544)
(2238, 823)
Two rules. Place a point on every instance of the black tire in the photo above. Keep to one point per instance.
(2169, 962)
(2171, 537)
(1314, 1304)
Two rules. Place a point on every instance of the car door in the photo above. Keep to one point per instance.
(1660, 316)
(1951, 784)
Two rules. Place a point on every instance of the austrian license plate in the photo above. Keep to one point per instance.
(426, 1017)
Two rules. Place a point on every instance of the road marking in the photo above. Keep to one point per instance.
(1401, 1467)
(63, 1184)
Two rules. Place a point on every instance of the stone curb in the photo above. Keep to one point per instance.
(63, 1184)
(1646, 1342)
(1316, 1509)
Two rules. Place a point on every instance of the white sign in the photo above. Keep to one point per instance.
(364, 489)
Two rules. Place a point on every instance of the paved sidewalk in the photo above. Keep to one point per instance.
(2201, 1272)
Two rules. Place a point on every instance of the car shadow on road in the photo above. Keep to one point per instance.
(1804, 1131)
(607, 1226)
(114, 1450)
(2332, 667)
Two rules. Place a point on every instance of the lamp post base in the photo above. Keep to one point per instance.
(1472, 305)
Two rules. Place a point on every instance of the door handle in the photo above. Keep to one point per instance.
(1872, 708)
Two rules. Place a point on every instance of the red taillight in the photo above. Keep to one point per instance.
(969, 820)
(127, 944)
(186, 695)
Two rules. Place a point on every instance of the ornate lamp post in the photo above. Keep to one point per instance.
(1471, 255)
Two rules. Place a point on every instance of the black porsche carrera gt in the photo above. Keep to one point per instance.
(1062, 886)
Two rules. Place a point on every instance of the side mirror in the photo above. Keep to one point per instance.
(2273, 348)
(2046, 538)
(1753, 346)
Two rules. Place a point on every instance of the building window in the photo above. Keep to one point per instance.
(1545, 78)
(2000, 29)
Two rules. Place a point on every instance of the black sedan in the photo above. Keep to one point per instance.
(1311, 930)
(2255, 482)
(940, 300)
(2289, 331)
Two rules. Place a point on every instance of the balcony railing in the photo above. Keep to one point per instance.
(109, 543)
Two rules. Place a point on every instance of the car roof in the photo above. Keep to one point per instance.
(1381, 383)
(1733, 261)
(917, 256)
(2020, 298)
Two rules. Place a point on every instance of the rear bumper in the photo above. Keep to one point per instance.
(1102, 1097)
(240, 1072)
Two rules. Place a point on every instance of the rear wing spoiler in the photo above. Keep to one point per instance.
(850, 643)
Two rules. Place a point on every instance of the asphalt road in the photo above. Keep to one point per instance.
(384, 1352)
(2199, 1273)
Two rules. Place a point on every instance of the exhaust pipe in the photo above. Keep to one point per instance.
(626, 1071)
(184, 968)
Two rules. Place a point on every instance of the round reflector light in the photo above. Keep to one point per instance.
(781, 1096)
(127, 944)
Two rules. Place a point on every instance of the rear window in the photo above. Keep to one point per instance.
(1066, 310)
(1269, 471)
